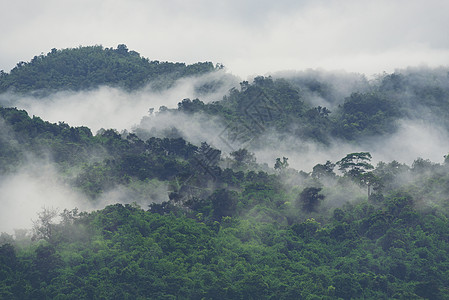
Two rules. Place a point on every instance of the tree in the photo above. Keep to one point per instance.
(370, 180)
(46, 262)
(224, 203)
(327, 170)
(207, 156)
(243, 158)
(122, 49)
(323, 111)
(43, 227)
(280, 165)
(355, 164)
(190, 106)
(309, 199)
(421, 165)
(6, 239)
(365, 114)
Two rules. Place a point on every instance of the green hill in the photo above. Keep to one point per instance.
(195, 223)
(287, 107)
(88, 67)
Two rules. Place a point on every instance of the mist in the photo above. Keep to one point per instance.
(194, 128)
(39, 183)
(413, 139)
(232, 225)
(32, 187)
(325, 88)
(418, 134)
(111, 107)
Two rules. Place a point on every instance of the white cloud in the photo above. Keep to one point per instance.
(31, 188)
(108, 107)
(413, 139)
(249, 37)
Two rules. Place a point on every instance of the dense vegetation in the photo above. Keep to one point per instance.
(227, 227)
(369, 109)
(125, 252)
(89, 67)
(246, 235)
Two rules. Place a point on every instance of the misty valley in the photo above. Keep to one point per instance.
(127, 178)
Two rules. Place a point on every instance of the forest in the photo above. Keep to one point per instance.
(187, 204)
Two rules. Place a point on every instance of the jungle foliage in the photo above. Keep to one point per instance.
(227, 227)
(89, 67)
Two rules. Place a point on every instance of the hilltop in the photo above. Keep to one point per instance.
(92, 66)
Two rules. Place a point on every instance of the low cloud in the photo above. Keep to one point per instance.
(413, 139)
(109, 107)
(40, 184)
(31, 188)
(249, 37)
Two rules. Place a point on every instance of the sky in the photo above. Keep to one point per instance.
(249, 37)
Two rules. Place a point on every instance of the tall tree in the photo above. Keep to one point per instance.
(43, 227)
(355, 164)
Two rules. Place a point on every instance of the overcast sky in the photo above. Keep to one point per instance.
(248, 37)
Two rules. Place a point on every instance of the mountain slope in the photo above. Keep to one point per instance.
(88, 67)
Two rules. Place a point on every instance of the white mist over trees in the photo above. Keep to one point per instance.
(179, 181)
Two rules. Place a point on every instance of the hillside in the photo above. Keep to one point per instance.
(181, 207)
(89, 67)
(314, 110)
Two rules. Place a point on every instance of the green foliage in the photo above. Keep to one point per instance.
(262, 105)
(321, 171)
(355, 164)
(236, 232)
(89, 67)
(243, 159)
(227, 243)
(366, 114)
(288, 107)
(224, 203)
(280, 165)
(138, 254)
(21, 134)
(310, 199)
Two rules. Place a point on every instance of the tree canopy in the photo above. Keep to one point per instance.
(187, 220)
(89, 67)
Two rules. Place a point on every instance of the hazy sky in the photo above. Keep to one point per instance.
(248, 37)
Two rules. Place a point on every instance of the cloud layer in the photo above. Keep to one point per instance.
(250, 37)
(108, 107)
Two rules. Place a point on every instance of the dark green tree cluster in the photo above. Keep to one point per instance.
(229, 233)
(22, 134)
(288, 108)
(226, 234)
(89, 67)
(391, 252)
(227, 227)
(368, 114)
